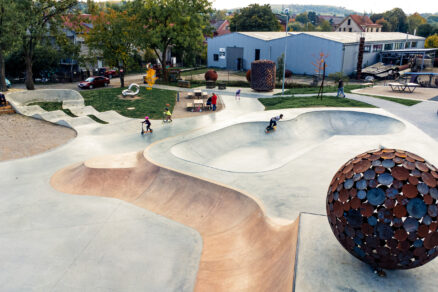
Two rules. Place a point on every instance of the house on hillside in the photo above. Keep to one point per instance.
(334, 20)
(220, 27)
(358, 23)
(236, 51)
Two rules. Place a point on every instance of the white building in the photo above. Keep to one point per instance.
(358, 23)
(236, 51)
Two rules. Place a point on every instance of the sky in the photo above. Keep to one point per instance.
(374, 6)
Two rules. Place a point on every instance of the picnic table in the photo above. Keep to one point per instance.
(403, 87)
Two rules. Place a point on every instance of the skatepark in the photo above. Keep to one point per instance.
(207, 203)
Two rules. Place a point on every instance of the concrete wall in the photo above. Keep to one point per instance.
(303, 50)
(268, 49)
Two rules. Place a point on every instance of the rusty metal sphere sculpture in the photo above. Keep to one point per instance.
(263, 75)
(382, 207)
(211, 75)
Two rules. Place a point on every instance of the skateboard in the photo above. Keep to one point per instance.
(270, 129)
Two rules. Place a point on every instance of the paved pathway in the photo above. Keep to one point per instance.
(423, 115)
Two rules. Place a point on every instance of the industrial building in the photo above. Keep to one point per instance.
(236, 51)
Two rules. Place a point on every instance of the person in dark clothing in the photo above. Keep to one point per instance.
(2, 99)
(148, 124)
(340, 89)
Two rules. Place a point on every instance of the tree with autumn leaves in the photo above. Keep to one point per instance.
(113, 36)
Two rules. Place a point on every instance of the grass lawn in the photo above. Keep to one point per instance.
(406, 102)
(151, 103)
(312, 101)
(53, 106)
(315, 89)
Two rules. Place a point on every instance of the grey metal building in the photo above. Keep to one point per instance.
(236, 51)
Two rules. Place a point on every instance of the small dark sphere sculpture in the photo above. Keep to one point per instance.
(382, 207)
(263, 75)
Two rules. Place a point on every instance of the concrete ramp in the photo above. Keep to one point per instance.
(243, 249)
(247, 148)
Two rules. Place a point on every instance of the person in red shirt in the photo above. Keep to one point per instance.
(214, 101)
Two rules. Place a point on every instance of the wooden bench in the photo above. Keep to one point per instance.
(184, 83)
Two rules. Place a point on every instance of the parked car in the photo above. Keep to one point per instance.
(93, 82)
(110, 73)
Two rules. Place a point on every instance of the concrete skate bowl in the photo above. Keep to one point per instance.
(243, 250)
(21, 98)
(247, 148)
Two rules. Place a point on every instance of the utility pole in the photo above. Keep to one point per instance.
(286, 11)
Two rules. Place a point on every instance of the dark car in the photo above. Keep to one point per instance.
(95, 81)
(110, 73)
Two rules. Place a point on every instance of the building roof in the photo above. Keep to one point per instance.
(353, 37)
(217, 24)
(266, 35)
(362, 20)
(341, 37)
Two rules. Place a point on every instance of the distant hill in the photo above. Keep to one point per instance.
(319, 9)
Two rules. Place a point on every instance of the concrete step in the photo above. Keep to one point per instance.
(6, 109)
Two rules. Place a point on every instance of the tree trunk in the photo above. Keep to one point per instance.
(3, 86)
(29, 74)
(122, 76)
(163, 65)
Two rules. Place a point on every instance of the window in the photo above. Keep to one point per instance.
(371, 29)
(257, 54)
(377, 29)
(344, 28)
(407, 45)
(367, 49)
(215, 57)
(349, 22)
(350, 29)
(414, 45)
(340, 29)
(398, 46)
(377, 48)
(388, 47)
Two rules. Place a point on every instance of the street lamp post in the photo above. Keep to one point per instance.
(285, 50)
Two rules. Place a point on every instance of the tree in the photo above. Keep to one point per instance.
(386, 26)
(302, 17)
(425, 30)
(431, 42)
(255, 17)
(325, 26)
(313, 18)
(9, 15)
(414, 21)
(41, 18)
(376, 16)
(296, 26)
(171, 23)
(217, 15)
(398, 20)
(113, 35)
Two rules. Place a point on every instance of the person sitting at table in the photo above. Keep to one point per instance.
(209, 103)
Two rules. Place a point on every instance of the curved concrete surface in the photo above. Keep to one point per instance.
(246, 147)
(243, 249)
